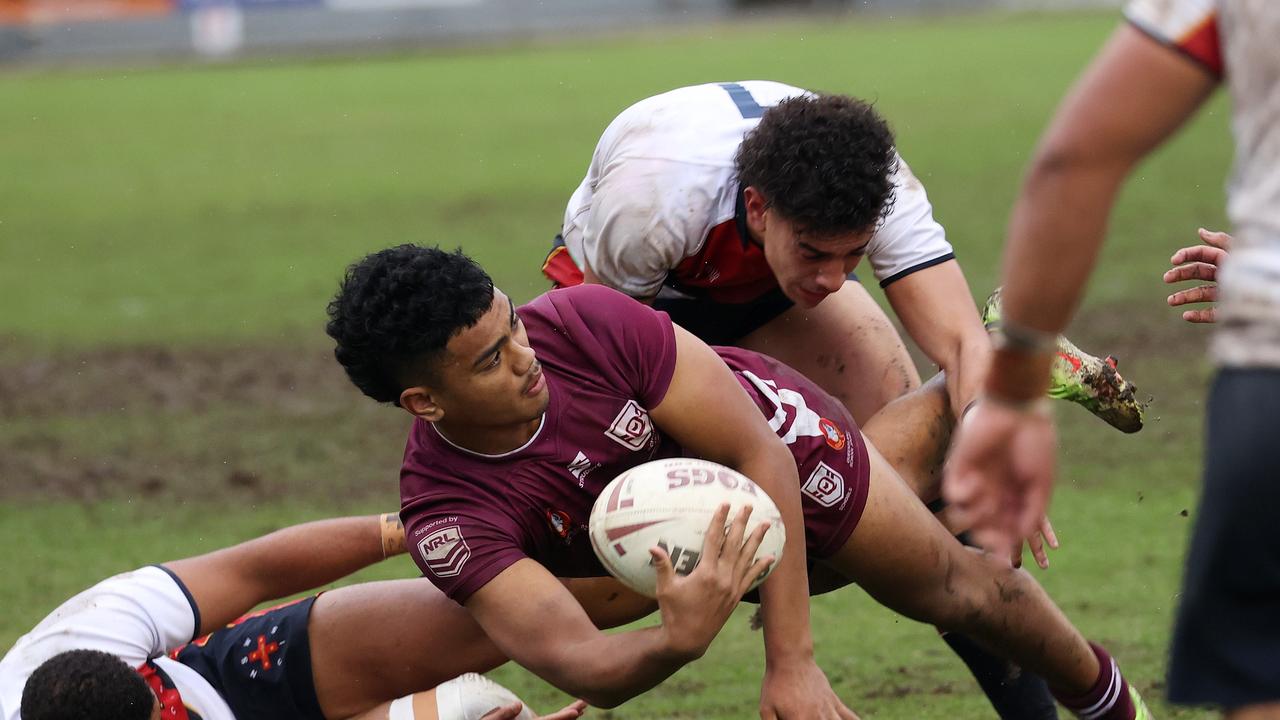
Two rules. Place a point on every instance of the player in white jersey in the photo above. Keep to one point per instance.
(164, 641)
(1154, 73)
(741, 208)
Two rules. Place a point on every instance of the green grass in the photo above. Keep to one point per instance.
(208, 212)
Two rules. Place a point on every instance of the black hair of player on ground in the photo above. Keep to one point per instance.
(86, 685)
(823, 162)
(396, 311)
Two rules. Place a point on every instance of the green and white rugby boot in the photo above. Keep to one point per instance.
(1084, 379)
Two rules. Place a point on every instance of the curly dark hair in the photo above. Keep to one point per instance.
(823, 162)
(397, 309)
(86, 685)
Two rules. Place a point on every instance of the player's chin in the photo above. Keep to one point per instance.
(807, 299)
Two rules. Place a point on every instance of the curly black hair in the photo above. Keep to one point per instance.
(823, 162)
(86, 685)
(397, 309)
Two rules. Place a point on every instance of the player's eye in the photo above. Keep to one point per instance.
(497, 358)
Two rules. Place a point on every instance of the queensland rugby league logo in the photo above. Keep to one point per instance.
(632, 428)
(444, 551)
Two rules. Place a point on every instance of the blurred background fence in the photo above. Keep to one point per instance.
(62, 31)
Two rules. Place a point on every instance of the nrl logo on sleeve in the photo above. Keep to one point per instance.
(444, 551)
(632, 428)
(825, 485)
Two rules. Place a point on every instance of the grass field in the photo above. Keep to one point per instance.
(169, 238)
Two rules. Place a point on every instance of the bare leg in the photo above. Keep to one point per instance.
(908, 562)
(846, 345)
(374, 642)
(913, 433)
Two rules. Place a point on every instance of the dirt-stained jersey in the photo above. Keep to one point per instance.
(608, 360)
(137, 616)
(1240, 40)
(658, 212)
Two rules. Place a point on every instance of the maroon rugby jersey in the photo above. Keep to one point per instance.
(607, 360)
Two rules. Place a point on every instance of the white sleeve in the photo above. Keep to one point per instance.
(135, 616)
(642, 221)
(909, 239)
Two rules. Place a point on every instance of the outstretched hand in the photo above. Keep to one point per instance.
(1199, 262)
(694, 607)
(1000, 474)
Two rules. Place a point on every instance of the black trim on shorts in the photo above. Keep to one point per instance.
(195, 609)
(916, 268)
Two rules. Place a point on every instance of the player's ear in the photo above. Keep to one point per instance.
(755, 204)
(420, 402)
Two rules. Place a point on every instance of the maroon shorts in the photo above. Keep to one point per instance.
(830, 454)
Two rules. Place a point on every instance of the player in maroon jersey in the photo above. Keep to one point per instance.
(522, 417)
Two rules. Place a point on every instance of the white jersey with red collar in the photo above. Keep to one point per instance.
(659, 207)
(137, 616)
(1240, 41)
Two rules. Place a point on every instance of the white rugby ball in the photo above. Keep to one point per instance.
(669, 504)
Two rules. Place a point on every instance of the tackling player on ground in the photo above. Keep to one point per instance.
(523, 416)
(164, 641)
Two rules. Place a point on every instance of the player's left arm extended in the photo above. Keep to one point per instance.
(711, 416)
(937, 310)
(227, 583)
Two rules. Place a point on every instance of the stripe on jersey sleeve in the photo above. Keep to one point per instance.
(916, 268)
(195, 609)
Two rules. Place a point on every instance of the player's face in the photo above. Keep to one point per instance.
(490, 377)
(809, 268)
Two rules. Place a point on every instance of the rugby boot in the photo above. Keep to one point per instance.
(1081, 378)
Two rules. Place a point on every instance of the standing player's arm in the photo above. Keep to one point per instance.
(708, 413)
(1130, 100)
(1133, 96)
(535, 620)
(937, 310)
(227, 583)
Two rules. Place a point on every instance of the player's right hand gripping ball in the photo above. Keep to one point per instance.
(668, 504)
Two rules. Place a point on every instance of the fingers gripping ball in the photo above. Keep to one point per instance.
(668, 504)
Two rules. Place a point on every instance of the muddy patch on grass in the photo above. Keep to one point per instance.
(246, 422)
(168, 380)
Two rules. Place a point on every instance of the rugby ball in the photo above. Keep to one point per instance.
(668, 504)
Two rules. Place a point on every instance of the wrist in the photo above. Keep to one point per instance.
(675, 647)
(1017, 377)
(392, 532)
(794, 653)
